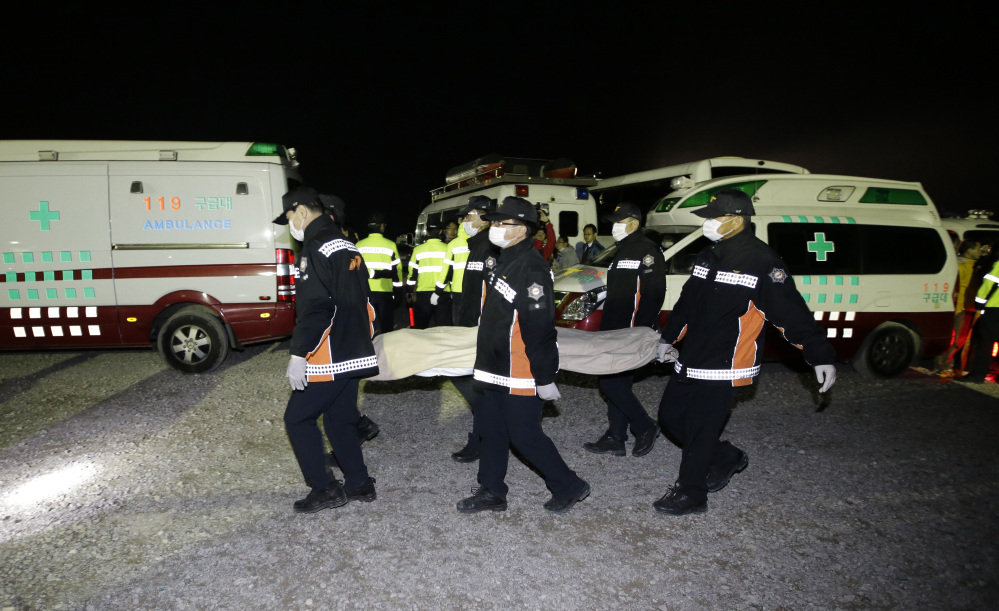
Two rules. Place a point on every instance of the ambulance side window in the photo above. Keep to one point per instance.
(682, 263)
(838, 249)
(568, 223)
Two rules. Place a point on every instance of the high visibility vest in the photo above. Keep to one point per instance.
(455, 258)
(380, 254)
(988, 296)
(428, 260)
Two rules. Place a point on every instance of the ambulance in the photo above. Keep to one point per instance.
(121, 243)
(869, 256)
(552, 185)
(975, 225)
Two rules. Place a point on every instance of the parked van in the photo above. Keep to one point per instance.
(975, 225)
(869, 256)
(550, 184)
(110, 244)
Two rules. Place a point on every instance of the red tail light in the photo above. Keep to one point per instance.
(995, 349)
(285, 274)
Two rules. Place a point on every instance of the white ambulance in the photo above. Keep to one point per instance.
(119, 243)
(869, 256)
(550, 184)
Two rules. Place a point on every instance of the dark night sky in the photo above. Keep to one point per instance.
(380, 104)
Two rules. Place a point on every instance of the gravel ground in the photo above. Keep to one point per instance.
(176, 493)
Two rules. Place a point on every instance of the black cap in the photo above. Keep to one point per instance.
(478, 202)
(335, 207)
(376, 220)
(624, 210)
(294, 198)
(725, 202)
(516, 208)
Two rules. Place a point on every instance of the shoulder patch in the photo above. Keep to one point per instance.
(778, 275)
(648, 260)
(490, 262)
(535, 291)
(303, 263)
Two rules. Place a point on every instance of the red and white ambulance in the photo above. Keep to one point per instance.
(120, 243)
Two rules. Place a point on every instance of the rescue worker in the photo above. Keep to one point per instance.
(968, 253)
(636, 287)
(426, 270)
(738, 283)
(466, 258)
(331, 350)
(516, 361)
(985, 333)
(381, 257)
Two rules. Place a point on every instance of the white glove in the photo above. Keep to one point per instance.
(826, 375)
(434, 299)
(548, 392)
(296, 373)
(666, 353)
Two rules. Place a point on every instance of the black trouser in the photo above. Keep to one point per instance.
(336, 402)
(983, 335)
(424, 311)
(623, 407)
(473, 395)
(695, 414)
(516, 420)
(384, 305)
(455, 307)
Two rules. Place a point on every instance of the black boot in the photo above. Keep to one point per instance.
(469, 453)
(331, 496)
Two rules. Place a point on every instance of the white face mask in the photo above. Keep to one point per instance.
(710, 229)
(497, 235)
(298, 234)
(619, 230)
(470, 230)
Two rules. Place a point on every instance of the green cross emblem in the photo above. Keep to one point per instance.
(820, 247)
(44, 216)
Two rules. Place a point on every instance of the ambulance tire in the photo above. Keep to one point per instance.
(888, 351)
(193, 341)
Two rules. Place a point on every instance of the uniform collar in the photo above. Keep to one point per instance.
(318, 224)
(721, 247)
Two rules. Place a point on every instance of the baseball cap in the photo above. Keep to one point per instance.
(516, 208)
(478, 202)
(625, 210)
(292, 199)
(725, 202)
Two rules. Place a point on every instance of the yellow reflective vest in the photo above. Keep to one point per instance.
(426, 265)
(381, 255)
(988, 296)
(455, 259)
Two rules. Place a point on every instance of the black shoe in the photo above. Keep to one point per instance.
(365, 492)
(366, 429)
(677, 502)
(556, 506)
(718, 476)
(467, 453)
(606, 445)
(332, 496)
(646, 441)
(481, 500)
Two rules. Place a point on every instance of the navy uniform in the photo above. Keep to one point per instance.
(331, 350)
(737, 285)
(636, 287)
(468, 289)
(516, 362)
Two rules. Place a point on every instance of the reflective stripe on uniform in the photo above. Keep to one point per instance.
(376, 250)
(491, 378)
(719, 374)
(342, 367)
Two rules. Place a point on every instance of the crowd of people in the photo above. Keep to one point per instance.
(493, 269)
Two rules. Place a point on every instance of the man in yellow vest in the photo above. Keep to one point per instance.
(985, 333)
(426, 270)
(381, 256)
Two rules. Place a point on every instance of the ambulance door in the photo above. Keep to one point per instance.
(186, 232)
(55, 240)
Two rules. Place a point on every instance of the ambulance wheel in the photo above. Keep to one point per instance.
(887, 352)
(193, 341)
